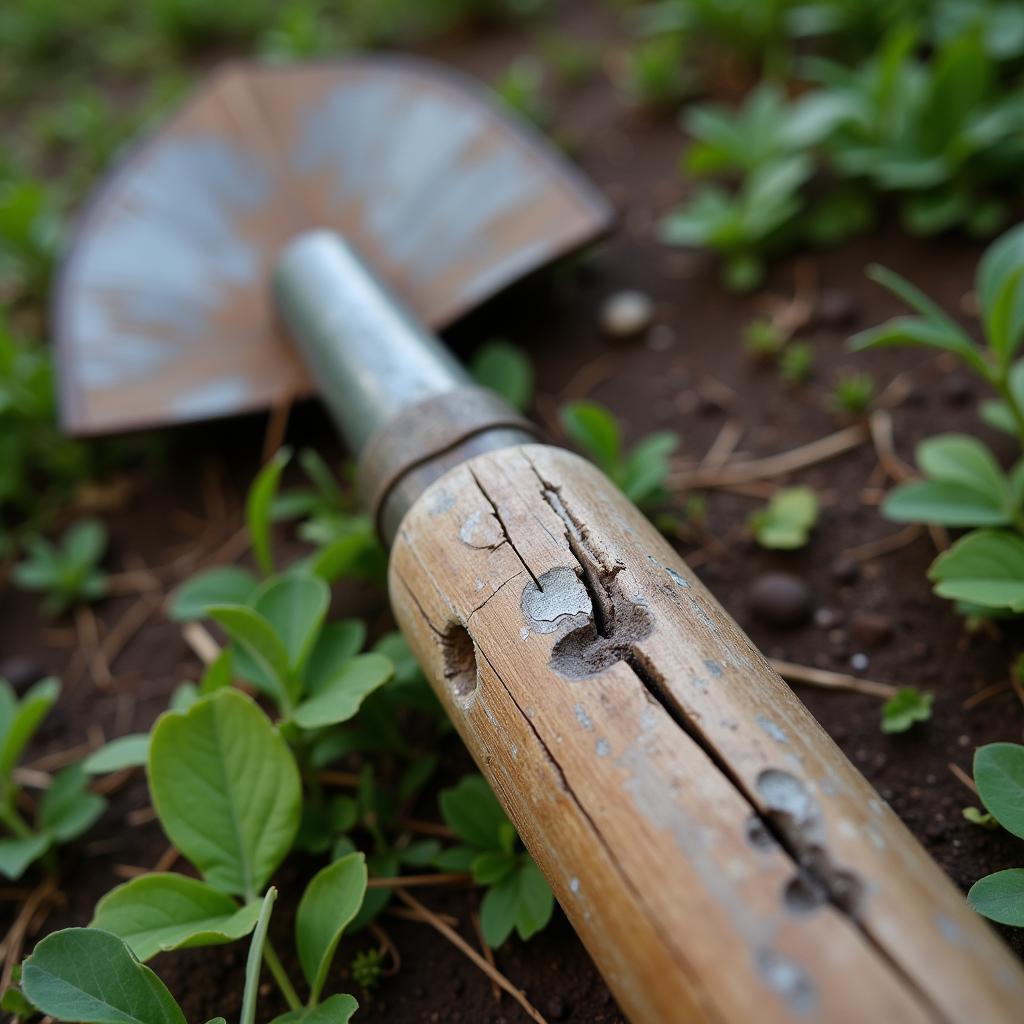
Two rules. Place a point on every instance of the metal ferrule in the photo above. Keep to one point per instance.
(402, 402)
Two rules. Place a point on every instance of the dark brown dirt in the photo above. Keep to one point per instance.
(669, 384)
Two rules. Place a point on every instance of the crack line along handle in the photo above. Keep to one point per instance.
(718, 855)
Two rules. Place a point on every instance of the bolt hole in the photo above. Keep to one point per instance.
(460, 668)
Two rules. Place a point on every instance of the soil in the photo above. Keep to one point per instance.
(692, 376)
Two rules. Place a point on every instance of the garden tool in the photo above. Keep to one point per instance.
(716, 852)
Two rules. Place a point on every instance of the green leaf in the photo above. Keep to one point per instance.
(916, 299)
(594, 429)
(986, 568)
(295, 604)
(128, 751)
(258, 639)
(505, 368)
(646, 468)
(909, 330)
(226, 790)
(337, 644)
(499, 909)
(337, 698)
(68, 808)
(786, 521)
(219, 673)
(20, 720)
(492, 866)
(906, 707)
(258, 507)
(1000, 293)
(536, 901)
(1000, 897)
(17, 854)
(473, 813)
(90, 976)
(225, 585)
(331, 900)
(161, 911)
(944, 504)
(959, 459)
(346, 555)
(338, 1009)
(83, 543)
(999, 776)
(522, 900)
(254, 961)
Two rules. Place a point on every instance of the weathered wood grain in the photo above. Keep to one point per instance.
(716, 852)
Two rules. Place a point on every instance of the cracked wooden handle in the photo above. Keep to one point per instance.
(716, 852)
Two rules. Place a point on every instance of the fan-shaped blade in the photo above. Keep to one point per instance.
(163, 307)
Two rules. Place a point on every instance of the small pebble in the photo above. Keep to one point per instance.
(870, 629)
(836, 308)
(826, 618)
(626, 314)
(859, 662)
(21, 671)
(781, 600)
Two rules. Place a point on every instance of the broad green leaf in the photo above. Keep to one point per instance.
(337, 698)
(85, 542)
(491, 867)
(910, 330)
(162, 911)
(499, 909)
(959, 459)
(346, 555)
(379, 865)
(507, 369)
(944, 504)
(1000, 897)
(646, 467)
(456, 858)
(17, 853)
(226, 790)
(997, 414)
(917, 300)
(183, 696)
(258, 507)
(999, 776)
(331, 900)
(787, 520)
(68, 808)
(254, 961)
(337, 644)
(225, 585)
(1000, 291)
(473, 813)
(593, 428)
(219, 673)
(295, 605)
(986, 568)
(22, 719)
(536, 901)
(258, 639)
(91, 976)
(125, 752)
(906, 707)
(338, 1009)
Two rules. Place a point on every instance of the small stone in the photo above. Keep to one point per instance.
(780, 599)
(859, 662)
(557, 1009)
(626, 314)
(869, 629)
(845, 571)
(21, 671)
(836, 308)
(827, 618)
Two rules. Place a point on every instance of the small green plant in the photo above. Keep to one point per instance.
(762, 339)
(505, 368)
(787, 520)
(367, 969)
(964, 485)
(517, 895)
(999, 777)
(796, 361)
(852, 394)
(30, 234)
(905, 708)
(642, 472)
(521, 89)
(67, 808)
(656, 72)
(68, 573)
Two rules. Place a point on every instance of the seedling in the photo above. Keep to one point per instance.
(67, 808)
(853, 394)
(796, 362)
(642, 472)
(787, 520)
(30, 234)
(507, 369)
(656, 72)
(517, 895)
(999, 776)
(67, 574)
(763, 340)
(905, 708)
(367, 969)
(235, 826)
(521, 88)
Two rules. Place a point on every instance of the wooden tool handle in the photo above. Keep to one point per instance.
(716, 852)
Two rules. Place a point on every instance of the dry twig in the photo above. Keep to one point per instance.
(827, 680)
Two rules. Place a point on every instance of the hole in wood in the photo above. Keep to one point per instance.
(460, 669)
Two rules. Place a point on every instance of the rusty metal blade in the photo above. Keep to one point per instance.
(163, 308)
